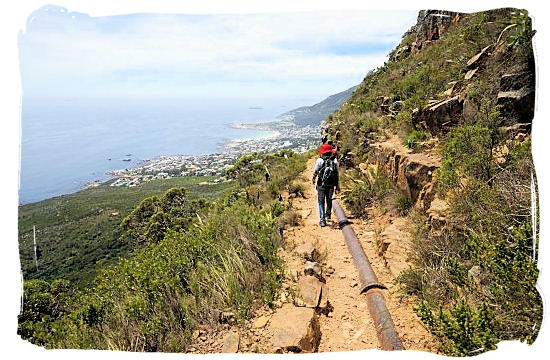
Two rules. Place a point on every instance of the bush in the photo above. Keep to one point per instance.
(404, 204)
(468, 152)
(465, 331)
(489, 227)
(359, 191)
(297, 189)
(415, 138)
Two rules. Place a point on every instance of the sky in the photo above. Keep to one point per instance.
(312, 54)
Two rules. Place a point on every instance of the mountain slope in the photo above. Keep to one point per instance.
(447, 121)
(315, 114)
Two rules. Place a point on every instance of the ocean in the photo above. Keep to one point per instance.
(68, 143)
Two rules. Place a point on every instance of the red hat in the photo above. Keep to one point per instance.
(326, 148)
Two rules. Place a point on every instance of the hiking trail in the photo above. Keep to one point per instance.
(348, 326)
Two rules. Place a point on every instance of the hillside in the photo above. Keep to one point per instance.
(447, 120)
(315, 114)
(79, 233)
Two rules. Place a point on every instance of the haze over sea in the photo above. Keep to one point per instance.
(68, 143)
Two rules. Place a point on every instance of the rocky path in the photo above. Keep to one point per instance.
(349, 326)
(340, 321)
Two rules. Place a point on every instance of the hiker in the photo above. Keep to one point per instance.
(326, 172)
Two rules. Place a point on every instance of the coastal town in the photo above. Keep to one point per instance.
(283, 134)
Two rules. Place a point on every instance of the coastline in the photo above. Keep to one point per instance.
(282, 134)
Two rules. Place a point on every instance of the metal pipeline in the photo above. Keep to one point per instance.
(385, 329)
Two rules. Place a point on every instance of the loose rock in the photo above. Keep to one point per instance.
(260, 322)
(313, 269)
(295, 329)
(310, 289)
(231, 343)
(307, 251)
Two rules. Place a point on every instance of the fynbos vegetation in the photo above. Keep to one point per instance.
(458, 89)
(192, 261)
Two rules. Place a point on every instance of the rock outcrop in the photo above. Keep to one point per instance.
(295, 329)
(517, 97)
(410, 172)
(440, 116)
(431, 25)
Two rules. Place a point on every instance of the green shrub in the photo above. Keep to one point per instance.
(464, 330)
(468, 151)
(415, 138)
(359, 191)
(404, 204)
(489, 226)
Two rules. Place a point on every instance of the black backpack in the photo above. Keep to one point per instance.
(328, 174)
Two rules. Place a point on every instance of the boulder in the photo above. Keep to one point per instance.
(401, 52)
(307, 251)
(440, 116)
(382, 100)
(312, 268)
(479, 58)
(310, 289)
(517, 97)
(519, 129)
(518, 105)
(516, 81)
(295, 329)
(430, 26)
(410, 172)
(231, 342)
(396, 106)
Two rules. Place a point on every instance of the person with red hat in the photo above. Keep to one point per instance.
(326, 172)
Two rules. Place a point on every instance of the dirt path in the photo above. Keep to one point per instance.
(349, 326)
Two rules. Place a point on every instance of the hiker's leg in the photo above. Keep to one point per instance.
(321, 200)
(329, 193)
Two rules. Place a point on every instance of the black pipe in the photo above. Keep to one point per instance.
(385, 329)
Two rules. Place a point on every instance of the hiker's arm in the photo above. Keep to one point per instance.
(316, 171)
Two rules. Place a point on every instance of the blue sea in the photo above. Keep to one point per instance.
(68, 143)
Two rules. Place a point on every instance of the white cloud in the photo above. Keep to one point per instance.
(85, 56)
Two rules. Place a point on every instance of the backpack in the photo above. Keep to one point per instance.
(328, 174)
